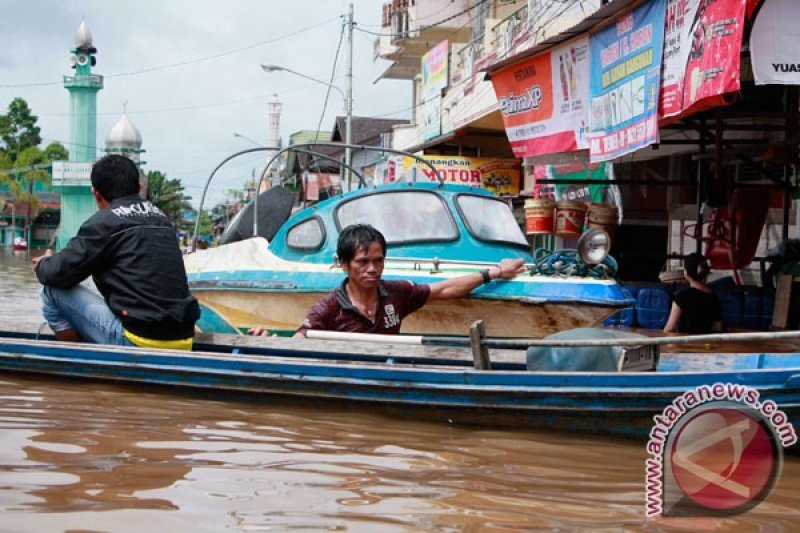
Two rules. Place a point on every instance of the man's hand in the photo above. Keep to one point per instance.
(36, 260)
(507, 269)
(258, 331)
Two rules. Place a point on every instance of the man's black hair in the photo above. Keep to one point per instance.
(358, 236)
(696, 266)
(115, 176)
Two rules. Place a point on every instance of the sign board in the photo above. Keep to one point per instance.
(72, 174)
(702, 48)
(774, 43)
(544, 101)
(435, 75)
(497, 175)
(624, 82)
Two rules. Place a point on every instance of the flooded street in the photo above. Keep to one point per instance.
(103, 457)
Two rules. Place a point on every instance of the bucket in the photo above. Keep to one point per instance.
(569, 218)
(539, 216)
(604, 217)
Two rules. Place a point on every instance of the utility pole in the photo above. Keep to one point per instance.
(348, 152)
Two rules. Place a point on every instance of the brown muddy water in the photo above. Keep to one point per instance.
(87, 456)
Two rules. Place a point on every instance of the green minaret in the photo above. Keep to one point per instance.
(77, 202)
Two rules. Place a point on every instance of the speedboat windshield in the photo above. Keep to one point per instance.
(489, 219)
(402, 216)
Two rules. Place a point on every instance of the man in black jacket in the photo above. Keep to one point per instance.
(130, 250)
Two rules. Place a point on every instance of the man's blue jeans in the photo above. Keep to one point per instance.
(84, 310)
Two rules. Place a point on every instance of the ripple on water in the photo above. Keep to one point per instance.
(19, 290)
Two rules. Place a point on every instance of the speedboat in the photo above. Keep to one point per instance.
(434, 231)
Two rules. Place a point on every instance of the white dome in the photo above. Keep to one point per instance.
(83, 37)
(124, 135)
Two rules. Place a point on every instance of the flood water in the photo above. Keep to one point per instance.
(103, 457)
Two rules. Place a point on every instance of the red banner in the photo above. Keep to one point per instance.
(702, 44)
(544, 101)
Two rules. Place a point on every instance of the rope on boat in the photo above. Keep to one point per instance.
(568, 263)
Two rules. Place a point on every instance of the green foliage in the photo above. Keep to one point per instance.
(18, 129)
(55, 151)
(205, 223)
(168, 195)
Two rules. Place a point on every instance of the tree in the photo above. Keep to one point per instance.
(18, 129)
(167, 195)
(55, 151)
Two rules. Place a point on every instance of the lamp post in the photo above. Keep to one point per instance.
(348, 103)
(248, 139)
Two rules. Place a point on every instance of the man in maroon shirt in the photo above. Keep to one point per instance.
(364, 303)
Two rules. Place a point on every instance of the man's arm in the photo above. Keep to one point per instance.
(75, 262)
(463, 285)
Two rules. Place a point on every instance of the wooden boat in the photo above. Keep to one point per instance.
(434, 231)
(433, 383)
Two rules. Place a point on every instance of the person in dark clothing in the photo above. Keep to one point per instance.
(696, 309)
(129, 249)
(364, 303)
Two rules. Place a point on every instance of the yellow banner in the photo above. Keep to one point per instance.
(500, 176)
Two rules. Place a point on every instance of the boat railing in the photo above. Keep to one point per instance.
(480, 343)
(525, 343)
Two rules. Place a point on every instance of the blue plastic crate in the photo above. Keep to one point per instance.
(652, 307)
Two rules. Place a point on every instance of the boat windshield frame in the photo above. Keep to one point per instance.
(468, 222)
(393, 238)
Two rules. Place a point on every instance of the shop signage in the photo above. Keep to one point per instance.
(72, 174)
(624, 82)
(435, 76)
(544, 101)
(500, 176)
(774, 43)
(702, 46)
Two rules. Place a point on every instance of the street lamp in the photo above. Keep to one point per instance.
(348, 104)
(246, 138)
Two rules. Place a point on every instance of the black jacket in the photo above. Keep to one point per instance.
(131, 252)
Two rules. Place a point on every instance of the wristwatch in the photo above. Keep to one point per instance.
(486, 276)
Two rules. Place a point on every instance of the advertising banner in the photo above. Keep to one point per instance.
(774, 43)
(624, 82)
(500, 176)
(544, 101)
(702, 44)
(435, 76)
(573, 175)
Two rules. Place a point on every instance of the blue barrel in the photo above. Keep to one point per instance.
(652, 307)
(612, 321)
(767, 309)
(758, 308)
(627, 316)
(732, 308)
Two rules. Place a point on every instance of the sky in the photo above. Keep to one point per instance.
(188, 73)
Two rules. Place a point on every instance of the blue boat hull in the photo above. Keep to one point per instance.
(611, 403)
